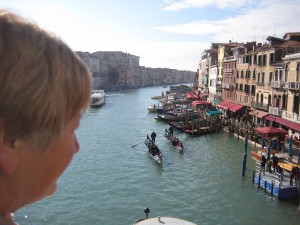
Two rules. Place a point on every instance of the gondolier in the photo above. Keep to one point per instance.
(171, 130)
(153, 136)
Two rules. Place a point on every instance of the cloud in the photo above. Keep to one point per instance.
(251, 24)
(186, 4)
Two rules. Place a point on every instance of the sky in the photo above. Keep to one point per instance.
(163, 33)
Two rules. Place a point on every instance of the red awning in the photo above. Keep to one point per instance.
(203, 95)
(226, 104)
(287, 123)
(271, 118)
(236, 107)
(284, 122)
(195, 103)
(270, 131)
(190, 95)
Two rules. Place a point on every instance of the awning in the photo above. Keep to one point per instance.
(271, 118)
(226, 104)
(270, 131)
(259, 113)
(190, 95)
(203, 95)
(195, 103)
(284, 122)
(216, 101)
(215, 112)
(287, 123)
(236, 107)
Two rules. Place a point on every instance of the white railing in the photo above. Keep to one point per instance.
(290, 116)
(293, 85)
(274, 111)
(277, 84)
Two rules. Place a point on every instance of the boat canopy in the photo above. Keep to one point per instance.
(215, 112)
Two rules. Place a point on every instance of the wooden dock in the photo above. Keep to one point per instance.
(276, 184)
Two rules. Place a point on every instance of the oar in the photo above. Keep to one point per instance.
(137, 144)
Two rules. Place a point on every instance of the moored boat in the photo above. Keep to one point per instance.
(97, 98)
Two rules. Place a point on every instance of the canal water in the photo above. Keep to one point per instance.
(110, 183)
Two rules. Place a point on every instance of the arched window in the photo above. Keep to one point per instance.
(278, 100)
(261, 98)
(280, 75)
(274, 101)
(276, 75)
(269, 100)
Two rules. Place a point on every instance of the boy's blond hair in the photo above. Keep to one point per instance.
(43, 83)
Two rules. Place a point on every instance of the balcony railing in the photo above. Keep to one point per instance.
(260, 105)
(274, 111)
(228, 86)
(290, 116)
(260, 83)
(294, 85)
(277, 84)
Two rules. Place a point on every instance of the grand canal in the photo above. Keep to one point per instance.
(110, 183)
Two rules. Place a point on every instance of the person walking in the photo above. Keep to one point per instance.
(153, 136)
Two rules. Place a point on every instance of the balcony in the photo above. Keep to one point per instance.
(277, 84)
(290, 116)
(260, 105)
(260, 83)
(218, 87)
(229, 86)
(274, 111)
(294, 85)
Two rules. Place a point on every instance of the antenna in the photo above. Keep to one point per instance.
(254, 34)
(274, 31)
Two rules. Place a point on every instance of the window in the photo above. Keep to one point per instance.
(271, 76)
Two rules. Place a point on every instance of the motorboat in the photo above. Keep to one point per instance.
(97, 98)
(161, 220)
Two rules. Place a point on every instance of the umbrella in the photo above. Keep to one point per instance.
(270, 131)
(268, 152)
(291, 147)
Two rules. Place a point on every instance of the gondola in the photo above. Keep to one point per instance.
(153, 151)
(177, 145)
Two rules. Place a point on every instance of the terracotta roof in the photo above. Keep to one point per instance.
(289, 44)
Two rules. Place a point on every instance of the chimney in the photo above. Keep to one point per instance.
(229, 41)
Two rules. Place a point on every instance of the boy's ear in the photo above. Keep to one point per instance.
(8, 154)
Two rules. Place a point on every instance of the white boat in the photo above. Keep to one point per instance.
(164, 221)
(156, 97)
(161, 220)
(97, 98)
